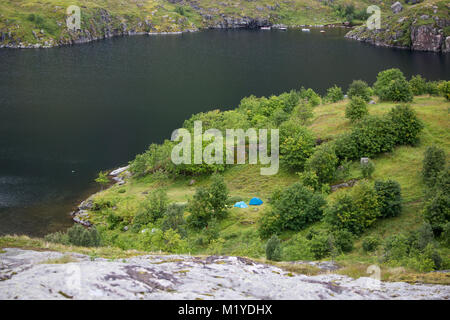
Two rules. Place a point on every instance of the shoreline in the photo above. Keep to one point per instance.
(52, 44)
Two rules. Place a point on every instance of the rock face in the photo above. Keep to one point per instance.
(26, 274)
(397, 7)
(426, 38)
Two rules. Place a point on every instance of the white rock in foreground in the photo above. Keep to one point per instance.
(23, 275)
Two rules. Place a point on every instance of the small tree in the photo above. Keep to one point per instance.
(334, 94)
(273, 249)
(391, 85)
(359, 88)
(296, 145)
(444, 89)
(389, 197)
(433, 163)
(418, 85)
(356, 109)
(218, 196)
(323, 163)
(405, 124)
(367, 169)
(102, 179)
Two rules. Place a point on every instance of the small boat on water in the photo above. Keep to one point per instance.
(265, 28)
(282, 28)
(322, 31)
(306, 30)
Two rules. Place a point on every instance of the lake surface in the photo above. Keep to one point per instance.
(66, 113)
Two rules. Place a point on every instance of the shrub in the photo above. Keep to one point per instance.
(296, 145)
(58, 237)
(446, 235)
(273, 249)
(334, 94)
(80, 236)
(174, 219)
(208, 203)
(321, 245)
(113, 220)
(356, 109)
(367, 169)
(343, 240)
(371, 243)
(303, 112)
(354, 210)
(346, 147)
(421, 237)
(168, 241)
(405, 124)
(157, 157)
(418, 85)
(323, 163)
(270, 223)
(433, 162)
(373, 135)
(298, 206)
(155, 204)
(218, 196)
(432, 88)
(391, 85)
(359, 88)
(310, 96)
(389, 198)
(396, 247)
(444, 89)
(437, 212)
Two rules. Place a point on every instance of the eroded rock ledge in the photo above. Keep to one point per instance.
(26, 274)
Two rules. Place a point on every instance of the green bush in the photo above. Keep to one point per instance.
(323, 163)
(445, 236)
(321, 245)
(359, 88)
(174, 219)
(354, 210)
(396, 247)
(367, 169)
(444, 89)
(343, 240)
(371, 243)
(421, 237)
(296, 145)
(405, 124)
(273, 249)
(157, 157)
(208, 203)
(356, 109)
(432, 88)
(433, 163)
(310, 96)
(391, 85)
(298, 206)
(346, 147)
(418, 85)
(113, 220)
(83, 237)
(153, 207)
(372, 135)
(389, 198)
(334, 94)
(437, 212)
(269, 224)
(58, 237)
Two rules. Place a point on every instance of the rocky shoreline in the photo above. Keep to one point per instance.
(81, 213)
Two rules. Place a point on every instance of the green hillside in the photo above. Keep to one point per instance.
(163, 207)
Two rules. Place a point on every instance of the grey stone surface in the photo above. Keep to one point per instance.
(27, 274)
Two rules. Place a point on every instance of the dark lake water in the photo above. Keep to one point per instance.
(66, 113)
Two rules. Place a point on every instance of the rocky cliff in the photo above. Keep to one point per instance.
(26, 274)
(423, 27)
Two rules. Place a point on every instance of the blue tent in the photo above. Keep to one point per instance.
(255, 202)
(240, 204)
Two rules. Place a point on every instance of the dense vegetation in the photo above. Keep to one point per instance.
(396, 213)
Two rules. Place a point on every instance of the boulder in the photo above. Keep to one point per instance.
(426, 38)
(397, 7)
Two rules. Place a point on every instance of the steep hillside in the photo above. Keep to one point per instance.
(423, 26)
(31, 23)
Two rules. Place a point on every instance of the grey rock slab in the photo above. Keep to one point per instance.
(185, 277)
